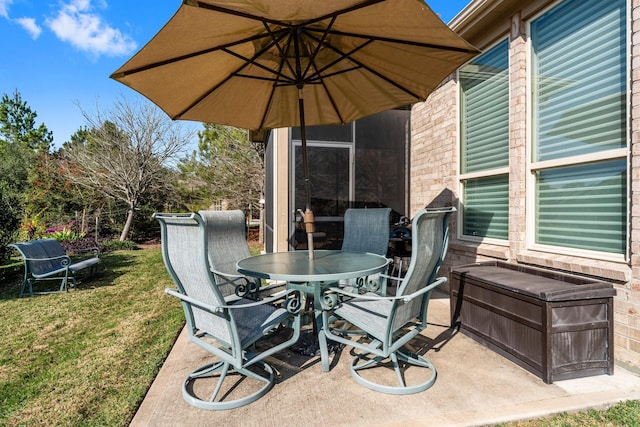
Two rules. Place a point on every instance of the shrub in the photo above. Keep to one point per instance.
(31, 228)
(64, 232)
(9, 222)
(79, 245)
(115, 245)
(65, 235)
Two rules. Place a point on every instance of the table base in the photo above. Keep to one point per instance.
(308, 345)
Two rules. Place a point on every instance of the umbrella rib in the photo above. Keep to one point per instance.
(262, 19)
(335, 73)
(365, 3)
(318, 73)
(359, 65)
(331, 99)
(343, 55)
(231, 75)
(282, 51)
(228, 11)
(396, 41)
(387, 79)
(223, 47)
(319, 44)
(252, 61)
(371, 70)
(271, 95)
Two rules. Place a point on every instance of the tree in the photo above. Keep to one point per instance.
(9, 221)
(21, 145)
(53, 196)
(126, 153)
(21, 142)
(227, 166)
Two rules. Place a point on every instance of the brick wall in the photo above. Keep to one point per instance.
(434, 149)
(434, 168)
(627, 302)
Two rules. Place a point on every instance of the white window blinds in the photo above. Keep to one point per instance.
(484, 125)
(579, 108)
(579, 78)
(485, 110)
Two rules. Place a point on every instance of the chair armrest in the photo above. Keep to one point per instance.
(95, 250)
(241, 305)
(292, 296)
(241, 282)
(329, 301)
(230, 275)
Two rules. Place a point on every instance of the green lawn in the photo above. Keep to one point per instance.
(625, 414)
(87, 357)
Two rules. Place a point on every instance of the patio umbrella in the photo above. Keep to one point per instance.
(263, 64)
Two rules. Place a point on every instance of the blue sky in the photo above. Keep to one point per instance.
(59, 53)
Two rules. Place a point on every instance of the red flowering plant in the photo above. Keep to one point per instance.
(64, 232)
(31, 228)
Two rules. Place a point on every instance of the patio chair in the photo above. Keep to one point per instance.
(228, 331)
(227, 244)
(391, 322)
(367, 230)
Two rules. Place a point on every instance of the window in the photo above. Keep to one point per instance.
(486, 207)
(583, 206)
(579, 125)
(484, 161)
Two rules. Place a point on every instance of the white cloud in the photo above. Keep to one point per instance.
(30, 25)
(4, 7)
(77, 24)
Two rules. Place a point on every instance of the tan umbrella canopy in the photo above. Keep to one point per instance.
(262, 64)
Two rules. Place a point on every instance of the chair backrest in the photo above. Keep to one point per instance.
(38, 251)
(366, 230)
(430, 239)
(184, 249)
(227, 244)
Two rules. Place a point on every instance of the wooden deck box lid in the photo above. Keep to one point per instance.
(547, 286)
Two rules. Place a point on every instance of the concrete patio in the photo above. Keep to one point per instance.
(475, 386)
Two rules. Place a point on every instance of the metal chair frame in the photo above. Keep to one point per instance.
(226, 329)
(390, 322)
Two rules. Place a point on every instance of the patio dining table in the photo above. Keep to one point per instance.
(308, 276)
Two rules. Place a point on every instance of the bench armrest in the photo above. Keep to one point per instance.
(95, 250)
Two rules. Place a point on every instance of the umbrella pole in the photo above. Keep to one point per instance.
(309, 221)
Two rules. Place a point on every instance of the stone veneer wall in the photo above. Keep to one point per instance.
(434, 168)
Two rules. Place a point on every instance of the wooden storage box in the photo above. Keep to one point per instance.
(557, 326)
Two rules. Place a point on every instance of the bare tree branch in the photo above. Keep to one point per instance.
(127, 153)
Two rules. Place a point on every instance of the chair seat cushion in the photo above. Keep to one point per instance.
(370, 315)
(254, 322)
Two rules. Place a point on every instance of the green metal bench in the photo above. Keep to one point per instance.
(46, 260)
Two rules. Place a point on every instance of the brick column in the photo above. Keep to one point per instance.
(434, 149)
(627, 302)
(517, 137)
